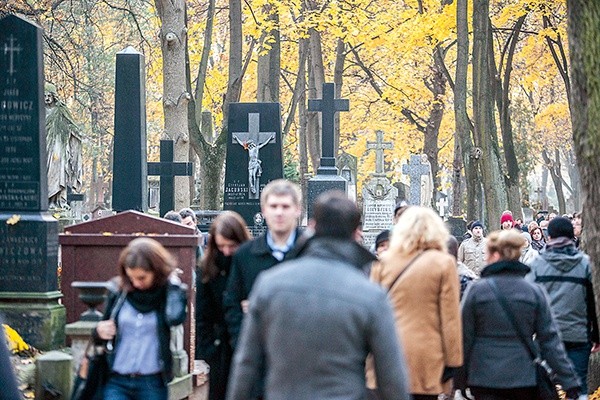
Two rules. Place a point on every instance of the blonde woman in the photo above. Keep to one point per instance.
(423, 287)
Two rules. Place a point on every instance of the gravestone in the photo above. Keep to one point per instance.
(379, 195)
(90, 252)
(253, 159)
(347, 168)
(130, 170)
(28, 233)
(415, 170)
(403, 191)
(327, 177)
(167, 170)
(457, 227)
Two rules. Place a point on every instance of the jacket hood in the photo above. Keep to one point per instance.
(505, 267)
(562, 254)
(337, 249)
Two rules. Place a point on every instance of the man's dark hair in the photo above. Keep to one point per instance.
(335, 215)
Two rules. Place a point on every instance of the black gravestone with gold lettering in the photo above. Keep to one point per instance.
(28, 233)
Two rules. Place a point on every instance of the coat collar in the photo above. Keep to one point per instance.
(260, 247)
(344, 250)
(505, 267)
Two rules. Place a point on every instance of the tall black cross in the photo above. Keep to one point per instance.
(167, 170)
(72, 196)
(328, 106)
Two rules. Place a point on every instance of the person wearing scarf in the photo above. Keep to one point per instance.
(496, 362)
(150, 300)
(538, 242)
(227, 232)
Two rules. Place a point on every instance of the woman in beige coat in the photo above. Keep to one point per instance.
(423, 287)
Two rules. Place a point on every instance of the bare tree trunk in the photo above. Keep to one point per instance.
(575, 179)
(316, 75)
(503, 102)
(554, 167)
(483, 115)
(338, 79)
(173, 36)
(470, 161)
(302, 118)
(584, 50)
(269, 62)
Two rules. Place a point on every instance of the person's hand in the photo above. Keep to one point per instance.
(245, 304)
(106, 329)
(595, 347)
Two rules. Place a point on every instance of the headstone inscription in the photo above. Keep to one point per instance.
(90, 252)
(130, 170)
(167, 170)
(28, 233)
(415, 170)
(379, 195)
(327, 177)
(254, 158)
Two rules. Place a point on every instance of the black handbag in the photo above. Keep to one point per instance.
(93, 370)
(545, 377)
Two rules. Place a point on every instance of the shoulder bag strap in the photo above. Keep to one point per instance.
(511, 317)
(403, 271)
(113, 314)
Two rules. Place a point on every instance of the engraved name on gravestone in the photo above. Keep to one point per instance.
(379, 195)
(28, 235)
(253, 158)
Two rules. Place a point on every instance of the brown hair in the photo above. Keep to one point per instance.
(281, 187)
(508, 243)
(537, 228)
(231, 226)
(149, 255)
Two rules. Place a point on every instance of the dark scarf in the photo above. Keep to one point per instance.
(223, 262)
(538, 244)
(145, 301)
(505, 267)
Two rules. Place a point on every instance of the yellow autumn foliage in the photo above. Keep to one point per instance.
(14, 341)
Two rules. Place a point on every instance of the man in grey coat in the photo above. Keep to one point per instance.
(313, 320)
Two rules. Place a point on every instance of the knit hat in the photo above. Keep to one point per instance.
(382, 237)
(475, 224)
(560, 227)
(506, 217)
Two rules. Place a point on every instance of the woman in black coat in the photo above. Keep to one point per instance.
(226, 234)
(497, 365)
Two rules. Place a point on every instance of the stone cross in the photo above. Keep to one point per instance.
(167, 170)
(11, 49)
(71, 196)
(328, 106)
(442, 203)
(253, 141)
(379, 146)
(415, 169)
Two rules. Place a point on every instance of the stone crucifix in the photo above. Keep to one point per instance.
(253, 141)
(379, 146)
(415, 169)
(328, 106)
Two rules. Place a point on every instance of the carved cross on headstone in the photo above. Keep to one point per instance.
(71, 196)
(415, 169)
(167, 170)
(328, 106)
(10, 49)
(442, 203)
(253, 141)
(379, 146)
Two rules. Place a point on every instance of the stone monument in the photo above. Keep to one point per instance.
(254, 158)
(379, 195)
(327, 177)
(130, 169)
(347, 168)
(419, 172)
(28, 233)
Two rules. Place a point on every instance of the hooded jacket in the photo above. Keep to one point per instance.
(565, 273)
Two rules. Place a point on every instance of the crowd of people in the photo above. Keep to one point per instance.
(313, 314)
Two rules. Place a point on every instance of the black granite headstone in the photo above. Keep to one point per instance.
(28, 233)
(253, 158)
(167, 170)
(130, 168)
(327, 177)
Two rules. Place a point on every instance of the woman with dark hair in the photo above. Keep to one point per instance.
(538, 241)
(139, 331)
(497, 363)
(227, 232)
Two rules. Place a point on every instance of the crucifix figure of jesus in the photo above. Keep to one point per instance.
(253, 141)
